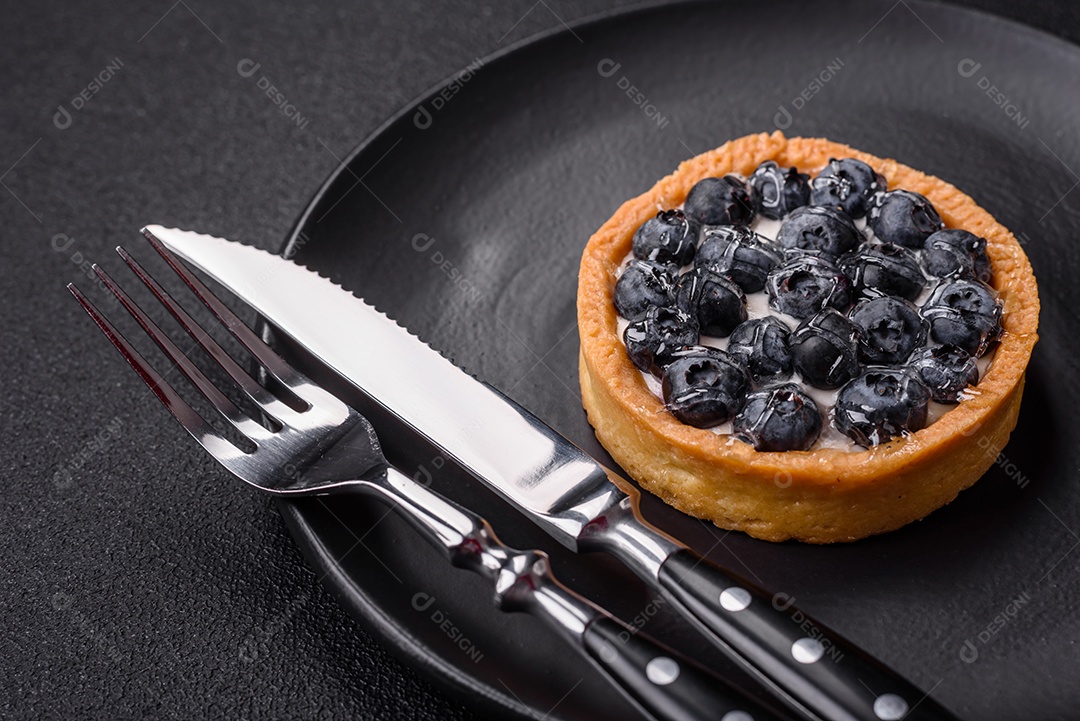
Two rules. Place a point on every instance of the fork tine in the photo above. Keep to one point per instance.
(262, 397)
(255, 345)
(222, 403)
(192, 422)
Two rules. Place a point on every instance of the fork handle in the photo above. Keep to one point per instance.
(667, 684)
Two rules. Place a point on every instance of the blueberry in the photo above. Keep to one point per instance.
(720, 201)
(654, 337)
(820, 230)
(706, 390)
(803, 285)
(881, 404)
(670, 237)
(642, 285)
(946, 370)
(692, 350)
(889, 330)
(963, 313)
(824, 349)
(903, 217)
(956, 253)
(714, 300)
(884, 269)
(740, 254)
(763, 345)
(846, 184)
(777, 192)
(782, 418)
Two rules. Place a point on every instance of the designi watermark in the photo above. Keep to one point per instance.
(256, 286)
(816, 643)
(250, 647)
(784, 117)
(638, 621)
(63, 243)
(247, 68)
(423, 601)
(424, 476)
(64, 603)
(607, 68)
(968, 69)
(64, 477)
(986, 443)
(423, 118)
(62, 118)
(969, 651)
(422, 243)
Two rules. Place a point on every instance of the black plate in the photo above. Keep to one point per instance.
(464, 218)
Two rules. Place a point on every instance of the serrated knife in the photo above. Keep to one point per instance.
(557, 485)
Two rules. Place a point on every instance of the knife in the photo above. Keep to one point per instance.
(583, 505)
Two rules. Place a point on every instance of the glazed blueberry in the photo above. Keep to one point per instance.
(706, 390)
(825, 350)
(779, 191)
(654, 337)
(740, 254)
(803, 285)
(691, 350)
(782, 418)
(642, 285)
(903, 217)
(714, 300)
(883, 269)
(889, 330)
(946, 370)
(720, 201)
(670, 237)
(846, 184)
(881, 404)
(763, 345)
(821, 230)
(963, 313)
(956, 253)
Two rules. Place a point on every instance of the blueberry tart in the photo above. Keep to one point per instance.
(799, 340)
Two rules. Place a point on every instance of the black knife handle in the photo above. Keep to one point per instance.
(819, 669)
(667, 684)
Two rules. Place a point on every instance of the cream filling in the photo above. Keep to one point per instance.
(757, 306)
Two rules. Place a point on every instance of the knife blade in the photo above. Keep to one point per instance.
(557, 485)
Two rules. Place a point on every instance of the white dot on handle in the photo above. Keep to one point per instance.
(890, 707)
(662, 670)
(737, 716)
(734, 598)
(807, 650)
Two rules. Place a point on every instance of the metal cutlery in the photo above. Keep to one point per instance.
(330, 448)
(559, 487)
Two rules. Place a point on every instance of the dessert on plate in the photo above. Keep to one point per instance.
(799, 340)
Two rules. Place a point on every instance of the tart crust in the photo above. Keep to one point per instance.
(818, 496)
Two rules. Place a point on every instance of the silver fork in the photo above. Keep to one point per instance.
(333, 449)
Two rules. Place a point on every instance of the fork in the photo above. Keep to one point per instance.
(330, 448)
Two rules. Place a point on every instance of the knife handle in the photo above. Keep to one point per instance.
(819, 673)
(818, 668)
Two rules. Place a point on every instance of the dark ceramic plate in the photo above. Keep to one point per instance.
(464, 218)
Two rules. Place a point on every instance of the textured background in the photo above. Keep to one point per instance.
(137, 579)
